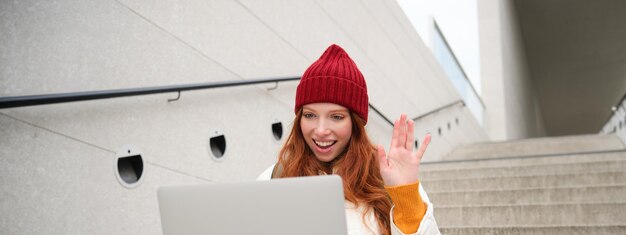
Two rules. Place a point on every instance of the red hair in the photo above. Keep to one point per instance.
(357, 165)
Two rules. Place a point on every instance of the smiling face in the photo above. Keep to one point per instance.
(326, 128)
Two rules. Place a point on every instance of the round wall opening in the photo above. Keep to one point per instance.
(277, 130)
(129, 167)
(439, 130)
(217, 144)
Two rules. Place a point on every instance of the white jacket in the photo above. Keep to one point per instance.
(356, 224)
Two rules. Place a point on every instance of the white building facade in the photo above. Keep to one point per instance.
(65, 168)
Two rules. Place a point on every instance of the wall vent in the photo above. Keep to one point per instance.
(277, 130)
(217, 145)
(129, 167)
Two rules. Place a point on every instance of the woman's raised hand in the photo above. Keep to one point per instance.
(401, 165)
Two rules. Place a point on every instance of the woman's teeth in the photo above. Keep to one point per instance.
(324, 144)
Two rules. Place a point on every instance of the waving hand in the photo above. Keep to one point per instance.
(401, 165)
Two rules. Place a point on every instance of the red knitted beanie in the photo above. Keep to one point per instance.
(334, 78)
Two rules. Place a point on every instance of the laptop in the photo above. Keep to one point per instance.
(303, 205)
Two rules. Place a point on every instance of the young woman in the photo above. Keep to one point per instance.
(382, 190)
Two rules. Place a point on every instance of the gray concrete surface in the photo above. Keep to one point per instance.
(542, 195)
(530, 170)
(535, 181)
(567, 191)
(538, 146)
(523, 161)
(538, 230)
(533, 214)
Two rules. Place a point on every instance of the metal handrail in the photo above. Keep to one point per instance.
(381, 114)
(439, 109)
(614, 108)
(620, 100)
(31, 100)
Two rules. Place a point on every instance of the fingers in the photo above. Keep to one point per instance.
(382, 157)
(422, 148)
(401, 132)
(410, 135)
(395, 135)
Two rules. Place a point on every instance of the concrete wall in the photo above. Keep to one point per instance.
(508, 89)
(58, 162)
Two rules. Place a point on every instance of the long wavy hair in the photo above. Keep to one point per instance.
(357, 165)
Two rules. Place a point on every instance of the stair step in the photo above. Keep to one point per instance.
(514, 170)
(539, 230)
(551, 185)
(523, 182)
(579, 194)
(531, 215)
(538, 146)
(525, 161)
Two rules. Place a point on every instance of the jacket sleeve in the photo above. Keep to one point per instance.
(428, 226)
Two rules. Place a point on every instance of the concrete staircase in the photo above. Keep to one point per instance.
(557, 185)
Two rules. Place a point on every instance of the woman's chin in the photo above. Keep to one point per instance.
(325, 159)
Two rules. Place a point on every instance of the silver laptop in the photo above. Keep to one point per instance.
(304, 205)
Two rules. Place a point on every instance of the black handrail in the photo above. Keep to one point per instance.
(30, 100)
(614, 108)
(620, 100)
(439, 109)
(21, 101)
(383, 116)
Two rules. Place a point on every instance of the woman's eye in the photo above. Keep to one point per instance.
(337, 117)
(308, 115)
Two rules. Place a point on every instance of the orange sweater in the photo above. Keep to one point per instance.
(409, 208)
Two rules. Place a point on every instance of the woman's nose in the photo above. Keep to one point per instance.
(322, 129)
